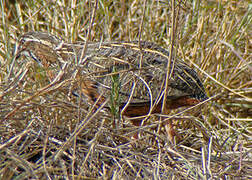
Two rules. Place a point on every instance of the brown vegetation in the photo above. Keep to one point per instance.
(45, 133)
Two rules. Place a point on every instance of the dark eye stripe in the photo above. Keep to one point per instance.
(35, 58)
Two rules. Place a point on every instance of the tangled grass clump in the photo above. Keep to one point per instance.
(46, 134)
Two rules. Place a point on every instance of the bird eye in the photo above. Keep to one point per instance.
(22, 41)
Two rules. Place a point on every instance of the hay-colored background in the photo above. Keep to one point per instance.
(214, 35)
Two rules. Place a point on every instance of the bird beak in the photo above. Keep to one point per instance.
(17, 51)
(18, 54)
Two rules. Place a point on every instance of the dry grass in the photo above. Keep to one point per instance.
(50, 136)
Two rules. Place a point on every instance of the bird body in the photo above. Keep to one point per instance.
(137, 69)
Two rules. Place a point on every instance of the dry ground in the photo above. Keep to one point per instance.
(46, 135)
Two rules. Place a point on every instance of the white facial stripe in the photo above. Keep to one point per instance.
(25, 53)
(29, 39)
(34, 39)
